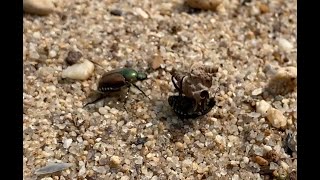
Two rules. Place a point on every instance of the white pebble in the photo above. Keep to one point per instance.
(52, 54)
(267, 148)
(100, 169)
(33, 54)
(40, 7)
(186, 163)
(51, 88)
(154, 178)
(142, 13)
(245, 160)
(284, 165)
(273, 166)
(67, 143)
(37, 35)
(114, 111)
(262, 107)
(103, 110)
(139, 160)
(276, 118)
(79, 71)
(79, 139)
(257, 150)
(221, 140)
(257, 91)
(284, 45)
(124, 178)
(235, 177)
(209, 134)
(82, 170)
(148, 124)
(254, 114)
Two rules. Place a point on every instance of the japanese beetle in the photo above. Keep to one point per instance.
(115, 80)
(184, 106)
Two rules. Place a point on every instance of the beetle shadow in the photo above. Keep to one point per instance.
(176, 126)
(96, 100)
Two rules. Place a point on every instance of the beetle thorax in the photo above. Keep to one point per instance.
(130, 75)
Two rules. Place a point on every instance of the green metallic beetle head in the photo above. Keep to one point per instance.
(141, 76)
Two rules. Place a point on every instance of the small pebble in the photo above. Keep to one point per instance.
(272, 156)
(82, 170)
(186, 139)
(115, 160)
(79, 71)
(124, 178)
(52, 53)
(39, 7)
(139, 160)
(180, 146)
(103, 111)
(276, 118)
(261, 161)
(36, 35)
(257, 91)
(209, 134)
(141, 12)
(264, 8)
(73, 57)
(267, 148)
(99, 169)
(262, 107)
(156, 62)
(284, 45)
(67, 143)
(235, 177)
(284, 165)
(280, 173)
(245, 160)
(273, 166)
(51, 168)
(116, 12)
(204, 4)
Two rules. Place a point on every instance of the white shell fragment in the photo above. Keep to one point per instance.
(51, 168)
(79, 71)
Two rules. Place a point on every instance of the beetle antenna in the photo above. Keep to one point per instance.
(140, 90)
(97, 64)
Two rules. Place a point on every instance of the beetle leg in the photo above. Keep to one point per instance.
(176, 86)
(140, 90)
(98, 99)
(126, 98)
(179, 88)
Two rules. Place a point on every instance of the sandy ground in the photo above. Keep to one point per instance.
(249, 42)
